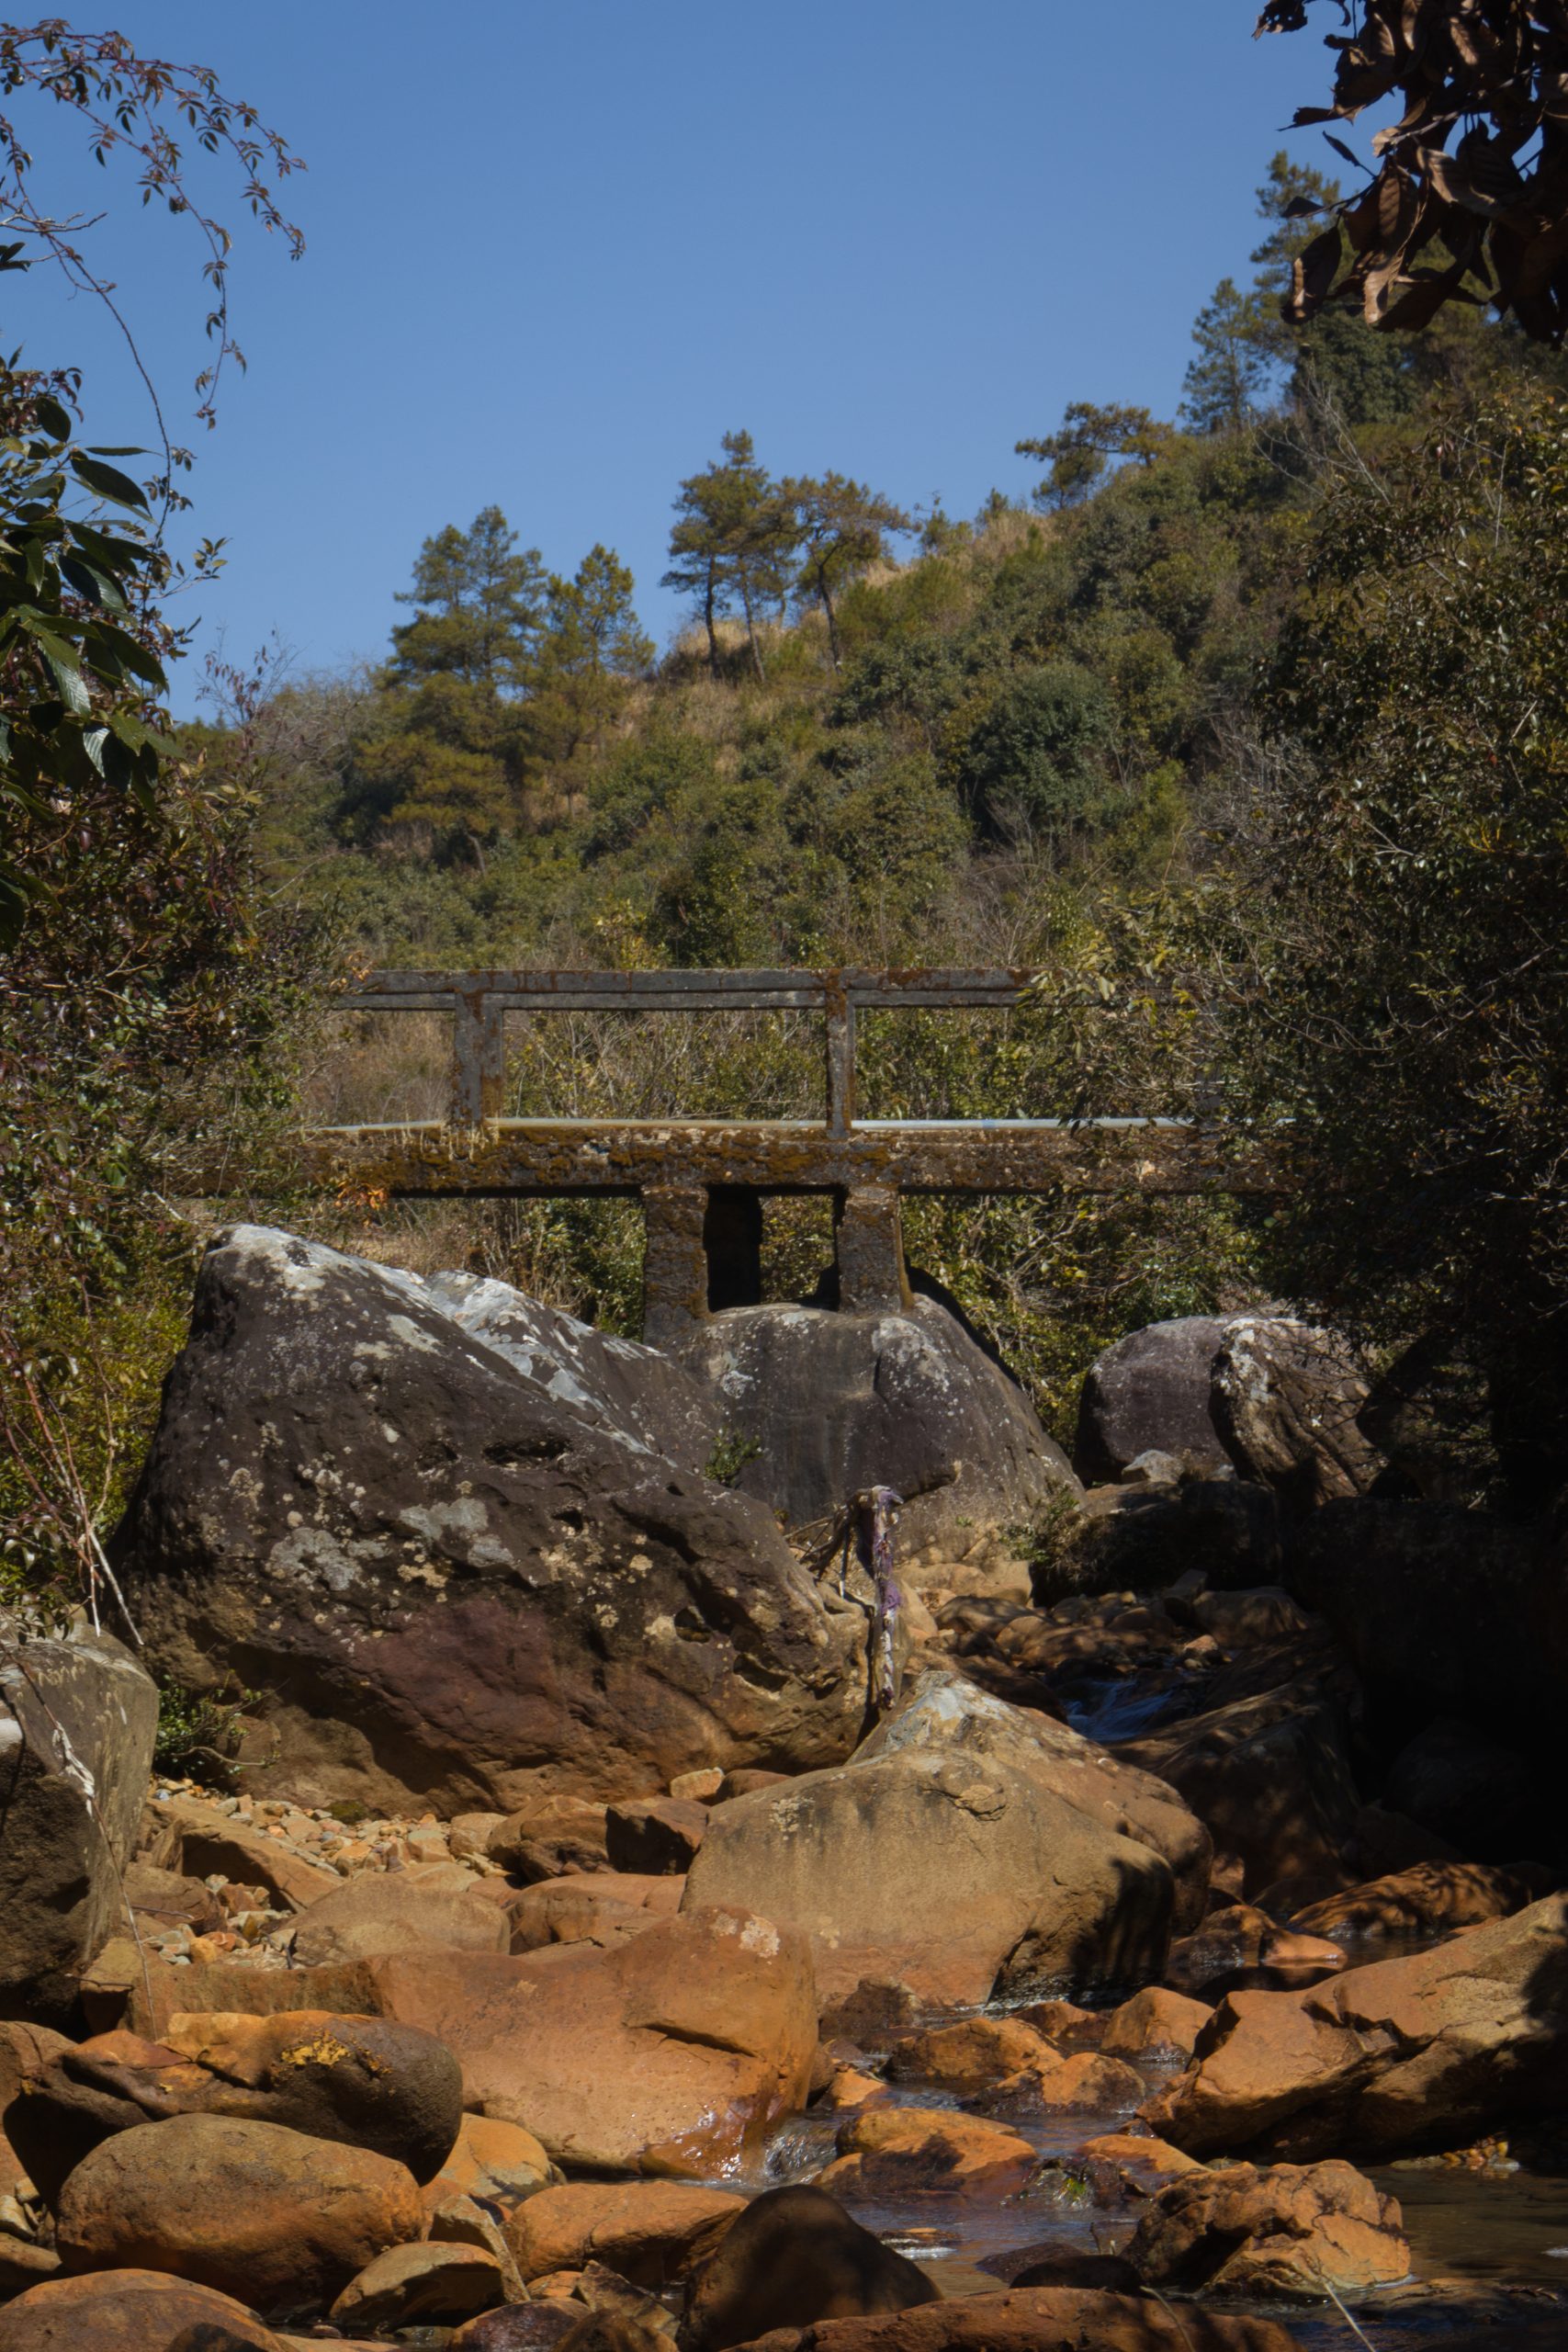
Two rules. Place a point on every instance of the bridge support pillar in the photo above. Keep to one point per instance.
(868, 1233)
(675, 1265)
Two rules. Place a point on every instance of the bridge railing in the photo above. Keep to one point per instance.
(478, 1002)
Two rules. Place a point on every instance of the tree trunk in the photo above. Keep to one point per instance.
(833, 620)
(750, 630)
(708, 624)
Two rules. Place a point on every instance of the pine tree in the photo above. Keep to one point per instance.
(478, 606)
(732, 542)
(1090, 435)
(841, 528)
(1225, 383)
(593, 647)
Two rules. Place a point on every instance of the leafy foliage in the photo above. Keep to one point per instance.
(1491, 211)
(1406, 854)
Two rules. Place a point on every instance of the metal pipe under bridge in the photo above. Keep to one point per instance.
(701, 1182)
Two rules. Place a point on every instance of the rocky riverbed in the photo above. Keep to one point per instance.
(588, 1950)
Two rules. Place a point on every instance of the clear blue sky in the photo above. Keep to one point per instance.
(555, 251)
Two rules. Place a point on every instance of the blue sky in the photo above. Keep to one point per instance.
(554, 252)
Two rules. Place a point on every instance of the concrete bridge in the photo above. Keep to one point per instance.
(701, 1182)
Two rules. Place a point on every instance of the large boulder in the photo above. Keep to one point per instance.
(1269, 1779)
(670, 2052)
(363, 2081)
(1306, 2230)
(77, 1722)
(251, 2209)
(966, 1848)
(460, 1583)
(1286, 1398)
(626, 1389)
(651, 2232)
(130, 2310)
(1151, 1392)
(794, 2257)
(835, 1403)
(1423, 2052)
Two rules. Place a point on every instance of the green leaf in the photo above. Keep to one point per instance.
(66, 670)
(94, 585)
(107, 481)
(126, 651)
(53, 418)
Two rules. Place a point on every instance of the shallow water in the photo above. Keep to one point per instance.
(1477, 2231)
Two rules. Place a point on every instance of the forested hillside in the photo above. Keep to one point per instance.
(1207, 730)
(1048, 735)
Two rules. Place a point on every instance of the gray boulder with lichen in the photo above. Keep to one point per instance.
(446, 1552)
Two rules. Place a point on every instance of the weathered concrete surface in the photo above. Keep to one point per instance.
(835, 1403)
(454, 1582)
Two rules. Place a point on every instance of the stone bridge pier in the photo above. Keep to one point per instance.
(704, 1253)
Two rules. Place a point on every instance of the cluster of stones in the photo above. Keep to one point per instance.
(519, 2067)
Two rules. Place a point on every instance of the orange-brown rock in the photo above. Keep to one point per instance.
(1118, 2164)
(1269, 1777)
(1240, 1946)
(670, 2052)
(127, 2310)
(535, 2326)
(1287, 2230)
(849, 2086)
(654, 1834)
(1087, 2084)
(212, 1843)
(1431, 1897)
(890, 2151)
(419, 2286)
(590, 1906)
(651, 2232)
(1424, 2051)
(1037, 2319)
(364, 2081)
(432, 1907)
(972, 2055)
(498, 2161)
(245, 2208)
(794, 2255)
(548, 1834)
(1155, 2019)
